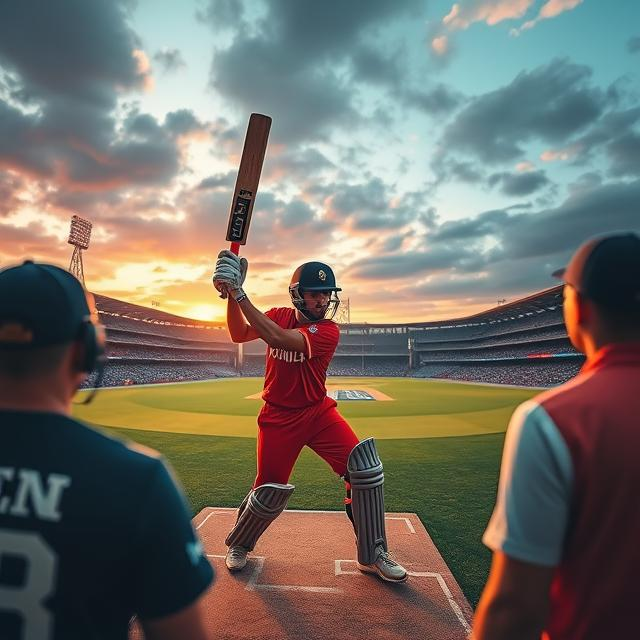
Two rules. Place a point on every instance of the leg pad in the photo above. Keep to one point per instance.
(366, 477)
(258, 510)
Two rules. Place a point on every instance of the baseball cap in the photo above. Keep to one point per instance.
(607, 270)
(40, 305)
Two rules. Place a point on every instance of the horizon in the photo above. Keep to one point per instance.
(488, 310)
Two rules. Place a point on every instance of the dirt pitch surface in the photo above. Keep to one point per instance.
(301, 581)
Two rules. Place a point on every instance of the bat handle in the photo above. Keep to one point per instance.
(235, 248)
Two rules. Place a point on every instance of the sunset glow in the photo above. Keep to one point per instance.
(437, 162)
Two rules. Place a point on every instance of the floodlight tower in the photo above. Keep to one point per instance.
(79, 237)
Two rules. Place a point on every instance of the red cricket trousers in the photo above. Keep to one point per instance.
(282, 433)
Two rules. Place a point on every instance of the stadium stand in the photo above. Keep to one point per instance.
(521, 343)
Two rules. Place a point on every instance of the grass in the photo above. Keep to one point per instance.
(450, 482)
(421, 408)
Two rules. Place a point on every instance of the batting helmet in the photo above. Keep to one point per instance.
(314, 276)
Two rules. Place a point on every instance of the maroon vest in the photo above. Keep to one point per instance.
(595, 592)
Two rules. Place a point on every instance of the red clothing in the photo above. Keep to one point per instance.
(595, 590)
(283, 433)
(297, 411)
(297, 380)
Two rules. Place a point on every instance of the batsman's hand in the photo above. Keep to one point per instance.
(230, 272)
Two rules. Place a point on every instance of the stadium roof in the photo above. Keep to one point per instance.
(547, 300)
(115, 307)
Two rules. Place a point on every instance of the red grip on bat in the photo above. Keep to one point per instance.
(235, 248)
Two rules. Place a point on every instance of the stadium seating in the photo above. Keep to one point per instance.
(522, 343)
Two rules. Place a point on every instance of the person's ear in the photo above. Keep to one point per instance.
(584, 310)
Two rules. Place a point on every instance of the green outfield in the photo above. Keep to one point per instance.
(440, 443)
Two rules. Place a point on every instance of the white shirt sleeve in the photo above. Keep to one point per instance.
(530, 517)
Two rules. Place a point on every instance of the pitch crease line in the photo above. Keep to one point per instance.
(455, 607)
(252, 584)
(406, 520)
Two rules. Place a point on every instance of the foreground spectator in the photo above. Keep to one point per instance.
(92, 532)
(564, 531)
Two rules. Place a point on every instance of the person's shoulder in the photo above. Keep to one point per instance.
(578, 390)
(330, 326)
(116, 450)
(525, 414)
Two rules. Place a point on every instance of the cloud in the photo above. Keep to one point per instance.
(33, 240)
(463, 171)
(438, 100)
(465, 13)
(616, 134)
(550, 103)
(11, 184)
(625, 155)
(373, 206)
(75, 48)
(226, 180)
(562, 154)
(324, 64)
(396, 266)
(505, 251)
(302, 166)
(440, 45)
(633, 44)
(170, 60)
(60, 112)
(551, 9)
(519, 184)
(377, 67)
(491, 12)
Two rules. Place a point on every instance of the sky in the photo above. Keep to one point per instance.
(440, 156)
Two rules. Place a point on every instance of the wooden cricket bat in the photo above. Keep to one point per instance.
(244, 193)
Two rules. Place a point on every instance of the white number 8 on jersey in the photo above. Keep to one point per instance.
(40, 569)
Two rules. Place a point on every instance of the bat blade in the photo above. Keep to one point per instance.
(244, 193)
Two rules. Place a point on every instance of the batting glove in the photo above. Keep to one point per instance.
(231, 269)
(230, 272)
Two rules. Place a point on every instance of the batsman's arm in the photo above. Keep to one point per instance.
(239, 329)
(265, 328)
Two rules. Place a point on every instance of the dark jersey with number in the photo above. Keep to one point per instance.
(91, 532)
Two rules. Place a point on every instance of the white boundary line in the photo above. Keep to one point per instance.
(418, 574)
(208, 516)
(406, 520)
(227, 510)
(252, 584)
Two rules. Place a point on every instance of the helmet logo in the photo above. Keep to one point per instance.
(322, 275)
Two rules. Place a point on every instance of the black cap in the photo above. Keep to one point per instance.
(40, 305)
(607, 271)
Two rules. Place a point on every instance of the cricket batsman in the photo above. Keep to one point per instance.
(297, 412)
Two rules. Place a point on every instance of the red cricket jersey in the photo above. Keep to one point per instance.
(296, 380)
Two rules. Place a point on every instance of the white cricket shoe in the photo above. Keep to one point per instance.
(386, 568)
(236, 558)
